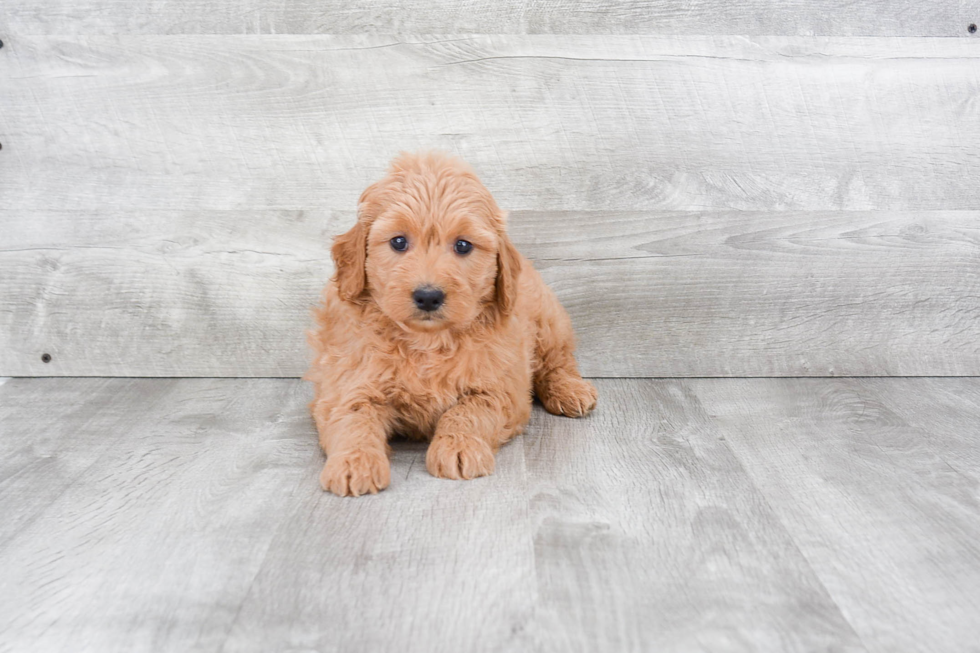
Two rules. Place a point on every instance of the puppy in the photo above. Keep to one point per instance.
(434, 327)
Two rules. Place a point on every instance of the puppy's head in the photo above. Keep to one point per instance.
(429, 248)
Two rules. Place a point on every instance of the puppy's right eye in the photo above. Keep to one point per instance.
(399, 243)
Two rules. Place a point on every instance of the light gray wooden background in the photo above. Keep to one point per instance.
(713, 188)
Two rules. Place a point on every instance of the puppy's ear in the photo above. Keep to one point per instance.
(349, 250)
(349, 253)
(508, 272)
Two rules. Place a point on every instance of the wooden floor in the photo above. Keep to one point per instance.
(717, 514)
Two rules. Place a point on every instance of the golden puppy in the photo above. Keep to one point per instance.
(434, 327)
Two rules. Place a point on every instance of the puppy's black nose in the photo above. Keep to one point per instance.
(428, 298)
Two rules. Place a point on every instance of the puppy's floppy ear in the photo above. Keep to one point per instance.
(349, 250)
(508, 271)
(349, 253)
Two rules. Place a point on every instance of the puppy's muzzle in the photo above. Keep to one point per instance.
(428, 299)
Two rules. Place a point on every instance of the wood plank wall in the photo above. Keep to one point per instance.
(725, 189)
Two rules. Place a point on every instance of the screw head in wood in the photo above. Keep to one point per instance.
(972, 29)
(45, 358)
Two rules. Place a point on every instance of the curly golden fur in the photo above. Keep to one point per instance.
(460, 375)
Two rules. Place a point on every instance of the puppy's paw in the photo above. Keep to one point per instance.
(572, 396)
(353, 473)
(459, 457)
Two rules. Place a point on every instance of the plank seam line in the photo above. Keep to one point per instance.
(775, 515)
(108, 450)
(303, 481)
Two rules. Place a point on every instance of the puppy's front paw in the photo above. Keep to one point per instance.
(353, 473)
(572, 396)
(459, 457)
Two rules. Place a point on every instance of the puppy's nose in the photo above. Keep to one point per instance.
(428, 298)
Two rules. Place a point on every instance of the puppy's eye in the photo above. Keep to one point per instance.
(399, 243)
(463, 247)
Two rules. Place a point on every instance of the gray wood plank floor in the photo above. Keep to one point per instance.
(701, 514)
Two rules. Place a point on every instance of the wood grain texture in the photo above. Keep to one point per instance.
(202, 528)
(727, 515)
(945, 414)
(874, 502)
(427, 565)
(227, 293)
(643, 510)
(43, 452)
(162, 293)
(551, 123)
(703, 205)
(154, 545)
(790, 17)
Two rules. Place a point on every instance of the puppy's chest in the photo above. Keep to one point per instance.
(420, 390)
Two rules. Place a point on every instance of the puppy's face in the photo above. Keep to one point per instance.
(429, 247)
(432, 269)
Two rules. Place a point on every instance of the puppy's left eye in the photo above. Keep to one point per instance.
(463, 247)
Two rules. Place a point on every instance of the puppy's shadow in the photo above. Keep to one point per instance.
(407, 457)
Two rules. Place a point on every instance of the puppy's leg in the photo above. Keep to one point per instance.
(355, 439)
(466, 438)
(557, 382)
